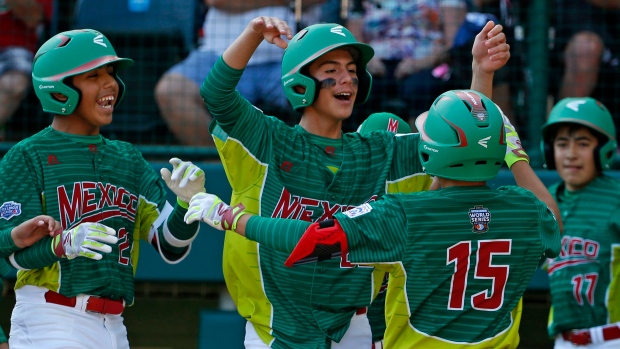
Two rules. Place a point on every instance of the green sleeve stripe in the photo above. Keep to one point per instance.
(218, 91)
(37, 256)
(279, 234)
(177, 229)
(7, 245)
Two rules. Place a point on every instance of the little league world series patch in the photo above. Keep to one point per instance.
(479, 217)
(358, 211)
(10, 209)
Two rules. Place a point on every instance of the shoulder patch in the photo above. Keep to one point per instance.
(358, 211)
(10, 209)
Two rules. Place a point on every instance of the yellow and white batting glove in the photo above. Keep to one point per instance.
(514, 149)
(84, 240)
(213, 211)
(185, 180)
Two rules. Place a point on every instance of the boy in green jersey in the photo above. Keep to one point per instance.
(466, 252)
(309, 172)
(72, 288)
(579, 142)
(376, 312)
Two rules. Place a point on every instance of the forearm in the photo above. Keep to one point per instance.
(238, 54)
(525, 177)
(482, 81)
(7, 245)
(279, 234)
(37, 256)
(175, 236)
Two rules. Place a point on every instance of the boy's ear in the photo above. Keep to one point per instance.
(60, 97)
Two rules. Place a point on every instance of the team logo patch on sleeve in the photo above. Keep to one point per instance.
(479, 218)
(10, 209)
(358, 211)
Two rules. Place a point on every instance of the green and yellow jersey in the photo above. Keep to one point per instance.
(285, 172)
(466, 257)
(78, 179)
(585, 277)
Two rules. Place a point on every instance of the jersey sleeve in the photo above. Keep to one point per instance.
(375, 231)
(239, 128)
(20, 199)
(548, 227)
(406, 161)
(277, 233)
(157, 217)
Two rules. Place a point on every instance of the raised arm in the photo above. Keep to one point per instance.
(270, 29)
(490, 52)
(519, 164)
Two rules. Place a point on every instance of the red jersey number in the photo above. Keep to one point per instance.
(123, 244)
(460, 255)
(589, 281)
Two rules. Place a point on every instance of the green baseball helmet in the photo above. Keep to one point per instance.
(71, 53)
(311, 43)
(462, 137)
(385, 122)
(584, 111)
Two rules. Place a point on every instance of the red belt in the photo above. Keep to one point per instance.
(583, 337)
(361, 311)
(93, 304)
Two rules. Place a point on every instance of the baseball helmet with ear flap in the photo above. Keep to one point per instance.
(462, 137)
(308, 45)
(67, 54)
(584, 111)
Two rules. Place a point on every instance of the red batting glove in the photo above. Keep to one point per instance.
(318, 243)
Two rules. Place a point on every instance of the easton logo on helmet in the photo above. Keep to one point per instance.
(338, 30)
(431, 149)
(99, 40)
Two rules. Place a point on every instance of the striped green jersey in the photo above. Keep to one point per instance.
(78, 179)
(285, 172)
(467, 254)
(585, 277)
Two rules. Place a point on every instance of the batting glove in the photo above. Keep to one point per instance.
(514, 149)
(321, 241)
(186, 179)
(213, 211)
(83, 240)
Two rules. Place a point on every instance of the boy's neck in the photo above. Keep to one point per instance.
(446, 183)
(319, 126)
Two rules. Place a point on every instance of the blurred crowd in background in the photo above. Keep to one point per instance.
(422, 48)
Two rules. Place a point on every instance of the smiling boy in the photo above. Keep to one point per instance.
(83, 180)
(579, 141)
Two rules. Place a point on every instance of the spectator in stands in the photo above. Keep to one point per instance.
(21, 22)
(410, 39)
(178, 91)
(587, 50)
